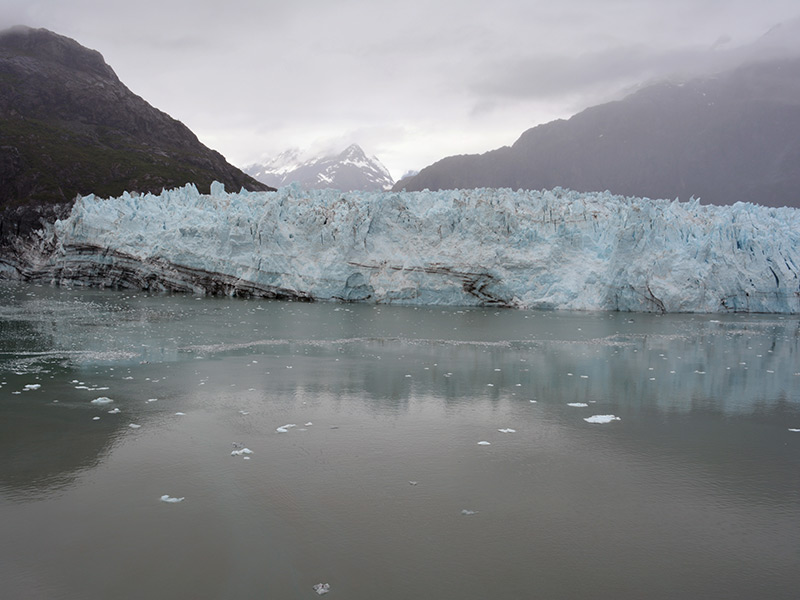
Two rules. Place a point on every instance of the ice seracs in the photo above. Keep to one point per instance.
(541, 249)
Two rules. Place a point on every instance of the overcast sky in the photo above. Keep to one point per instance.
(410, 81)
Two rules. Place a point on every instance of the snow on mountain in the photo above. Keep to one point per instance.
(349, 170)
(542, 249)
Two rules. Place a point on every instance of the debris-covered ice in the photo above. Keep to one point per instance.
(601, 419)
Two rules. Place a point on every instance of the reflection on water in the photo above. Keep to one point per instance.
(692, 492)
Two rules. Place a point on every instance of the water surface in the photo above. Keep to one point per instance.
(692, 491)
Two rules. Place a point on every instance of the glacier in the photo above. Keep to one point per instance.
(553, 249)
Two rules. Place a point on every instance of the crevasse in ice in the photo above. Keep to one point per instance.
(548, 249)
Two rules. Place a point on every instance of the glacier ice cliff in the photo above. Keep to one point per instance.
(553, 249)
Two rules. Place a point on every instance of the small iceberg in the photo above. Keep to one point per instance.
(241, 452)
(507, 430)
(102, 400)
(170, 499)
(32, 386)
(484, 443)
(114, 411)
(601, 419)
(134, 426)
(285, 428)
(577, 404)
(322, 588)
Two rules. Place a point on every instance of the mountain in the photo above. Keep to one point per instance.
(69, 126)
(349, 170)
(726, 138)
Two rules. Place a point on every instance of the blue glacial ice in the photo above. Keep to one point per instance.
(555, 249)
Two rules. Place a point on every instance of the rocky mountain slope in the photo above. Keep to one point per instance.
(727, 138)
(350, 170)
(69, 126)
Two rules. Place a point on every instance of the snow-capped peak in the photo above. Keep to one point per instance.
(348, 170)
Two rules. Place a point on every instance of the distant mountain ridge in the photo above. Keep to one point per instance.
(349, 170)
(69, 126)
(726, 138)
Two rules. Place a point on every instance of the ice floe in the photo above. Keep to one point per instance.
(241, 452)
(134, 426)
(114, 411)
(601, 419)
(507, 430)
(795, 430)
(484, 443)
(32, 386)
(171, 499)
(578, 404)
(285, 428)
(102, 400)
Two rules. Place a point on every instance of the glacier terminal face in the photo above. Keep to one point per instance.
(553, 249)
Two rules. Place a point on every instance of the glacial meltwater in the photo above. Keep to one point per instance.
(175, 447)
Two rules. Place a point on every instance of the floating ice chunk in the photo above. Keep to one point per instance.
(484, 443)
(532, 401)
(795, 430)
(170, 499)
(577, 404)
(102, 400)
(95, 418)
(243, 412)
(309, 424)
(152, 399)
(32, 386)
(285, 428)
(507, 430)
(134, 426)
(180, 414)
(413, 482)
(601, 419)
(241, 452)
(322, 588)
(114, 411)
(466, 511)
